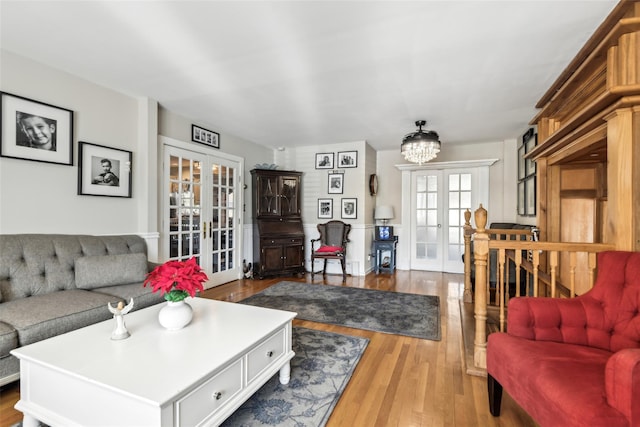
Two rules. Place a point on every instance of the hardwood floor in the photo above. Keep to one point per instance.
(400, 381)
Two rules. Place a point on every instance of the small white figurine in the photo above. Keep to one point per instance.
(120, 331)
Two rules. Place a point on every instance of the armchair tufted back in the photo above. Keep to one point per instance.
(607, 317)
(32, 264)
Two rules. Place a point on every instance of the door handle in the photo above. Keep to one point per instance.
(204, 230)
(210, 229)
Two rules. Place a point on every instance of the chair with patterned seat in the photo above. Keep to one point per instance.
(332, 244)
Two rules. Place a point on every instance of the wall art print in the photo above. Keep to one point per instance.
(103, 171)
(33, 130)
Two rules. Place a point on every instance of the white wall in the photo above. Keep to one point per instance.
(42, 197)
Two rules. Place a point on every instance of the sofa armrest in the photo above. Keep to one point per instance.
(548, 319)
(622, 383)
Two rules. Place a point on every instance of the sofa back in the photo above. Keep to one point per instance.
(33, 264)
(612, 307)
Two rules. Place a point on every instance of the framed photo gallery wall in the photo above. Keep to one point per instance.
(336, 163)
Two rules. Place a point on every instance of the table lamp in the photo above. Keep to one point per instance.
(384, 213)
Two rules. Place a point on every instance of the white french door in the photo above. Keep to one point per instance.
(200, 215)
(439, 199)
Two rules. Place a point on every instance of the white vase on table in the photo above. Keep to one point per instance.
(175, 315)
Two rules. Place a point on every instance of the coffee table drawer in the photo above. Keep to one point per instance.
(266, 353)
(210, 396)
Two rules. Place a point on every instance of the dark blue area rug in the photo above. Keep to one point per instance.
(320, 371)
(381, 311)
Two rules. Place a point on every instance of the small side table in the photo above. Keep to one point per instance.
(381, 246)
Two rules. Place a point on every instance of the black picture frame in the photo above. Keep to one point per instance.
(205, 136)
(347, 159)
(530, 196)
(529, 141)
(521, 199)
(325, 208)
(349, 208)
(335, 183)
(36, 131)
(521, 162)
(104, 171)
(324, 160)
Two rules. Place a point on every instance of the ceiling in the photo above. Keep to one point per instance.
(299, 73)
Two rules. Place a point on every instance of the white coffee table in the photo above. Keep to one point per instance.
(195, 376)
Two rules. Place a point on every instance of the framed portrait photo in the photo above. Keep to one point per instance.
(33, 130)
(325, 208)
(348, 159)
(324, 160)
(530, 196)
(336, 183)
(103, 171)
(205, 136)
(349, 208)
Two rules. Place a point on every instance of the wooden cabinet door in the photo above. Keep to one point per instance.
(271, 257)
(293, 255)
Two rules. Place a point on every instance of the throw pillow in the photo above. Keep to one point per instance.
(110, 270)
(329, 249)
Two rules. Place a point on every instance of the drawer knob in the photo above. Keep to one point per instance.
(217, 395)
(269, 353)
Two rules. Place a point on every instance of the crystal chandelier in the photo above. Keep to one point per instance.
(420, 146)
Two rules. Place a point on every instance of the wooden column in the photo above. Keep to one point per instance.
(623, 154)
(481, 255)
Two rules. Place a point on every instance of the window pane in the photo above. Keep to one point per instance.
(465, 199)
(421, 217)
(432, 217)
(421, 184)
(465, 182)
(432, 200)
(432, 183)
(453, 200)
(454, 217)
(421, 200)
(454, 182)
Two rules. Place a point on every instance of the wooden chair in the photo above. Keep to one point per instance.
(332, 244)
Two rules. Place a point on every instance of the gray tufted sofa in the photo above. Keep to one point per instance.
(51, 284)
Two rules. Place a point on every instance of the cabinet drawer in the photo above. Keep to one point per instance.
(263, 355)
(210, 396)
(282, 241)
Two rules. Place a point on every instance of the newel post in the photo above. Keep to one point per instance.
(467, 297)
(480, 254)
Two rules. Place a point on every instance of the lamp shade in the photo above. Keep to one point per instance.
(383, 212)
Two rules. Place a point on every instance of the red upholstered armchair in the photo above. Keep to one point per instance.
(574, 362)
(332, 244)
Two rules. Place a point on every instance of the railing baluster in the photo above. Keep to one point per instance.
(573, 263)
(553, 261)
(503, 287)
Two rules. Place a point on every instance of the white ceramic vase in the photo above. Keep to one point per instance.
(175, 315)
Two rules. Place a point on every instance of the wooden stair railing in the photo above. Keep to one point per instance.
(538, 281)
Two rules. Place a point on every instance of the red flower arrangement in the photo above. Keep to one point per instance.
(177, 279)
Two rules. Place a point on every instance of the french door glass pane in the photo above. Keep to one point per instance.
(184, 207)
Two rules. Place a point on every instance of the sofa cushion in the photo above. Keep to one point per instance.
(108, 270)
(8, 339)
(44, 316)
(565, 385)
(142, 297)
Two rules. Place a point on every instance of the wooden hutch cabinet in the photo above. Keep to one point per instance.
(278, 235)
